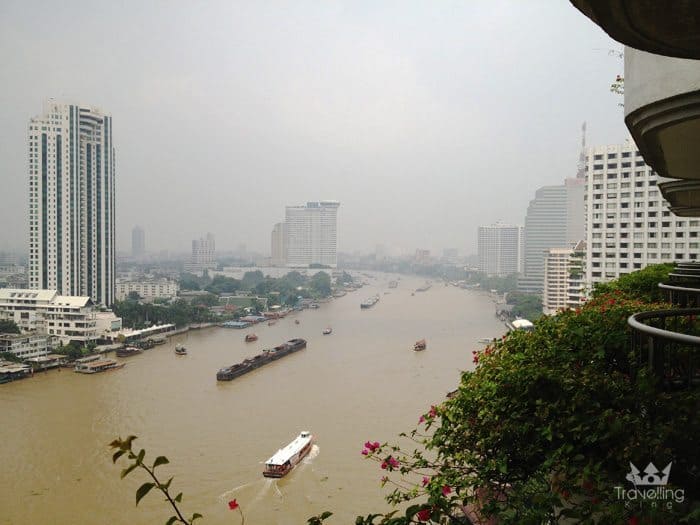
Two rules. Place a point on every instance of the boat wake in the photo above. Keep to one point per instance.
(314, 452)
(259, 489)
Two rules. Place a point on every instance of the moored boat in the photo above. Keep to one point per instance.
(96, 366)
(420, 345)
(285, 459)
(327, 331)
(128, 351)
(249, 338)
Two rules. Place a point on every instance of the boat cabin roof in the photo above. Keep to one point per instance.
(285, 454)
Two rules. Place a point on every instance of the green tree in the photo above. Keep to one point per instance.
(8, 327)
(9, 356)
(252, 279)
(320, 284)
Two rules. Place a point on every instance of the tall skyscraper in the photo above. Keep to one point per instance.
(138, 241)
(312, 234)
(628, 223)
(278, 244)
(71, 202)
(501, 249)
(203, 255)
(555, 219)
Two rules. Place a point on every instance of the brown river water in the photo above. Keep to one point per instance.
(362, 382)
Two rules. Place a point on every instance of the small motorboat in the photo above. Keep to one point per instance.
(420, 345)
(249, 338)
(296, 321)
(180, 350)
(327, 331)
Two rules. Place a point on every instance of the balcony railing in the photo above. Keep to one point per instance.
(664, 340)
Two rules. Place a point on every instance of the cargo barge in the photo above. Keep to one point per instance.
(266, 356)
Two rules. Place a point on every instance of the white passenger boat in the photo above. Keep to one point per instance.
(285, 459)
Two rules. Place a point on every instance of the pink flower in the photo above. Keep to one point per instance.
(423, 515)
(446, 490)
(425, 481)
(421, 419)
(384, 480)
(389, 462)
(365, 451)
(372, 447)
(433, 411)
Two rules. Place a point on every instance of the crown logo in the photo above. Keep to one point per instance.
(650, 476)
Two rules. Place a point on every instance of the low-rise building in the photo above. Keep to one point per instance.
(70, 318)
(27, 346)
(148, 289)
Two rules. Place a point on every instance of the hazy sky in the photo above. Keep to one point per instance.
(425, 119)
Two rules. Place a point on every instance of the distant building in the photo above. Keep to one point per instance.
(500, 249)
(70, 318)
(138, 241)
(564, 278)
(278, 245)
(71, 202)
(148, 289)
(422, 256)
(312, 234)
(26, 346)
(628, 223)
(555, 218)
(203, 255)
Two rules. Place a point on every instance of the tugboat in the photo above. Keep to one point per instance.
(285, 459)
(327, 331)
(420, 345)
(180, 349)
(249, 338)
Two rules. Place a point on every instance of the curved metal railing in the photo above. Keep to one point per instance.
(662, 342)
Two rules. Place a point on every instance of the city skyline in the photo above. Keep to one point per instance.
(376, 106)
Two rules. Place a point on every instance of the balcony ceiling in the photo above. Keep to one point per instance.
(663, 28)
(682, 194)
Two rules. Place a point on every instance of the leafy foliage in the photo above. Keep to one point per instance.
(124, 447)
(527, 306)
(8, 326)
(642, 284)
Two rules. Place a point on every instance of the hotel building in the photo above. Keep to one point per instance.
(628, 222)
(312, 234)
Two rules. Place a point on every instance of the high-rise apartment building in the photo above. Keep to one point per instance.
(71, 202)
(278, 244)
(563, 278)
(555, 218)
(312, 234)
(500, 249)
(203, 255)
(138, 241)
(628, 223)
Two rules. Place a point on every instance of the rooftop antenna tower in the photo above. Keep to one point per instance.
(581, 167)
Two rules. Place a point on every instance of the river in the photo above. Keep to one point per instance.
(362, 382)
